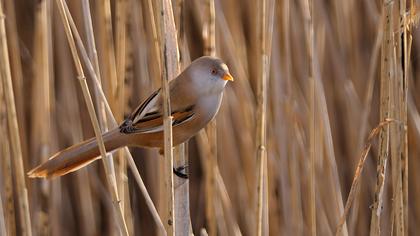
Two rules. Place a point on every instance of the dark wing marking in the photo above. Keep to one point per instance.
(150, 104)
(138, 112)
(153, 122)
(150, 116)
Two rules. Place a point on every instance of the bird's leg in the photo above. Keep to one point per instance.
(180, 171)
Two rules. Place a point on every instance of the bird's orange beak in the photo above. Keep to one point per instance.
(228, 77)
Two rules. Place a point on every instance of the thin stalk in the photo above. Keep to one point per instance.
(6, 171)
(121, 35)
(16, 71)
(110, 174)
(310, 44)
(209, 36)
(5, 75)
(406, 51)
(397, 132)
(93, 55)
(386, 71)
(182, 203)
(265, 37)
(169, 52)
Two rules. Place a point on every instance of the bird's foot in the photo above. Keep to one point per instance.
(181, 171)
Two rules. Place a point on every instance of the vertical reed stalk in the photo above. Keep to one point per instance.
(265, 34)
(182, 201)
(397, 132)
(16, 70)
(93, 55)
(6, 171)
(169, 52)
(406, 51)
(210, 163)
(110, 174)
(310, 44)
(386, 76)
(5, 75)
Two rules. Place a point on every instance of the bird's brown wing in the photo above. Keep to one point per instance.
(151, 104)
(153, 122)
(148, 117)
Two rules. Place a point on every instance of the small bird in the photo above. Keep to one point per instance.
(195, 96)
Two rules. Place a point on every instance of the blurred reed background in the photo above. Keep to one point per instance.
(338, 69)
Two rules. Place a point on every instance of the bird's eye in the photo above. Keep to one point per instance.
(213, 72)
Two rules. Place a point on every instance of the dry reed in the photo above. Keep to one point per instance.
(15, 143)
(265, 33)
(182, 195)
(170, 67)
(209, 40)
(325, 90)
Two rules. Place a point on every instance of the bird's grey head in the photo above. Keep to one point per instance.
(210, 73)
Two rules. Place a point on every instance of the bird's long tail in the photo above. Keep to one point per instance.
(78, 156)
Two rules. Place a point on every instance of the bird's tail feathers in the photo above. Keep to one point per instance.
(77, 156)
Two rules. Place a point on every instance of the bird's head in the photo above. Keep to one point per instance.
(210, 73)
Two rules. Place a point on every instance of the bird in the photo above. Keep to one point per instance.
(195, 98)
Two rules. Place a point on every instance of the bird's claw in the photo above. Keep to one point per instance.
(180, 171)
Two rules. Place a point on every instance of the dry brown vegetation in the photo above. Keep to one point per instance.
(318, 134)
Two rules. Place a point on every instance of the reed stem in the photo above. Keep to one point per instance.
(5, 75)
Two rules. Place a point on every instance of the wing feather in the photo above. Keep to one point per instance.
(151, 104)
(148, 117)
(154, 123)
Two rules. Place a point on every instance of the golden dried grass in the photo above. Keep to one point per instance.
(321, 102)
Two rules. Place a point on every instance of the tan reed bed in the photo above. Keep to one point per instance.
(326, 88)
